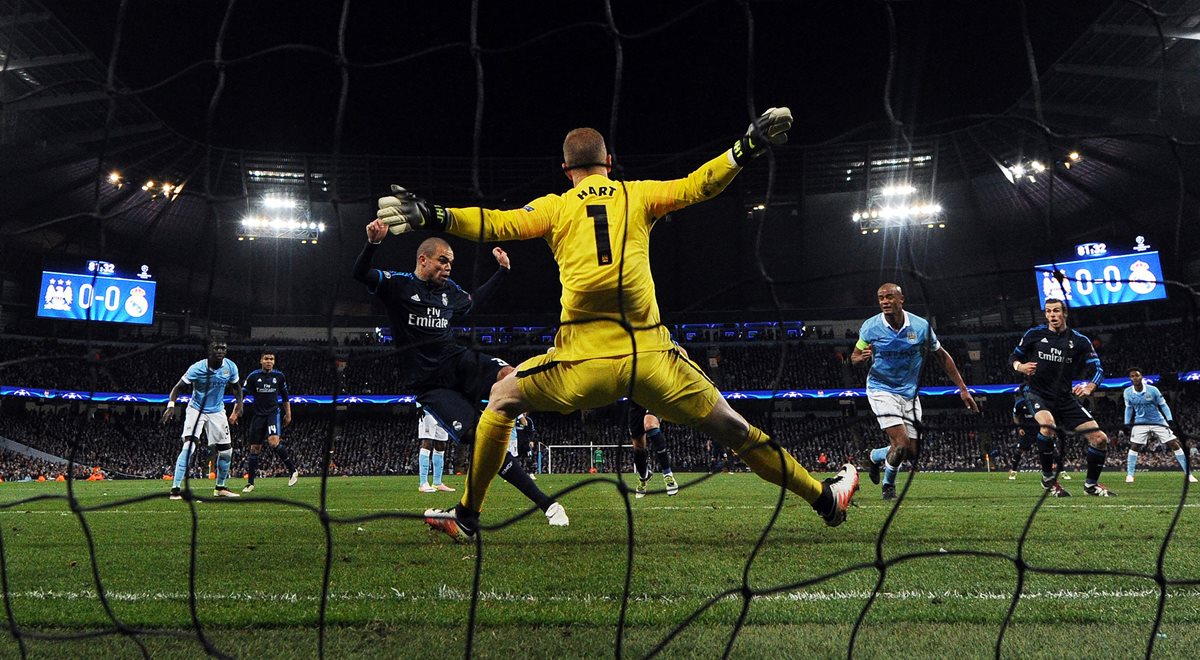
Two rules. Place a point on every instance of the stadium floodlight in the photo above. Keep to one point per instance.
(273, 202)
(257, 226)
(886, 208)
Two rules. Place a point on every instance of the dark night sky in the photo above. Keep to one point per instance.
(682, 86)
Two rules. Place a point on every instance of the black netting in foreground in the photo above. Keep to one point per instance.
(214, 182)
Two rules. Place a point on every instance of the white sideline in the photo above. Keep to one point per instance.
(446, 593)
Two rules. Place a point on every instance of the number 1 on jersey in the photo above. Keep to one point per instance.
(599, 215)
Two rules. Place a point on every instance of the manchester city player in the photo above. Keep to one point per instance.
(1147, 411)
(205, 416)
(896, 342)
(611, 341)
(450, 380)
(1050, 356)
(268, 386)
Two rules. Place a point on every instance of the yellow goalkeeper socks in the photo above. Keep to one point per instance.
(491, 443)
(773, 463)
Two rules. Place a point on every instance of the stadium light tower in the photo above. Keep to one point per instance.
(896, 205)
(281, 216)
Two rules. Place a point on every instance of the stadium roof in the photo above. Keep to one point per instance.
(1117, 85)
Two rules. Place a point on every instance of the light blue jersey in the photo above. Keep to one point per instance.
(897, 354)
(1147, 406)
(208, 385)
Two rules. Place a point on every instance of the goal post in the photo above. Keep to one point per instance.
(570, 457)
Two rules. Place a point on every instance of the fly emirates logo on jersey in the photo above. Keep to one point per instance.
(1055, 355)
(432, 319)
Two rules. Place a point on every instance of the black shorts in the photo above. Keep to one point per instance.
(1068, 413)
(468, 372)
(636, 419)
(263, 427)
(453, 412)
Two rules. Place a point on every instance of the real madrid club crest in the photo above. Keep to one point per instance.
(137, 305)
(445, 300)
(1071, 344)
(1141, 280)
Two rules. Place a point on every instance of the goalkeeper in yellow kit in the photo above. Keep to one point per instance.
(611, 343)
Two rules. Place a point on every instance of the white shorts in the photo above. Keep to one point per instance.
(1140, 434)
(214, 426)
(893, 410)
(429, 429)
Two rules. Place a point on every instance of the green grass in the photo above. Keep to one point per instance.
(396, 590)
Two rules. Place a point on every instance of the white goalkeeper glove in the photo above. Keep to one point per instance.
(403, 212)
(769, 129)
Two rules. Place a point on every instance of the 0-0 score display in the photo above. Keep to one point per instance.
(1107, 280)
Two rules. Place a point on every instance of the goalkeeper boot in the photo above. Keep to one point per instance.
(672, 485)
(889, 491)
(556, 515)
(842, 487)
(1098, 490)
(446, 521)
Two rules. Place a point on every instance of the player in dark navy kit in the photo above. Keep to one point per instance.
(1050, 356)
(1027, 428)
(450, 380)
(268, 386)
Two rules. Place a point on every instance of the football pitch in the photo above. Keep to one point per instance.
(397, 590)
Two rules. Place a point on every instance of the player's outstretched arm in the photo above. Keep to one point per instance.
(952, 371)
(769, 130)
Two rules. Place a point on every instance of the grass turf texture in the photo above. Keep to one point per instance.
(396, 590)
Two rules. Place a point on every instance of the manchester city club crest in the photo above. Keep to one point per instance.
(912, 335)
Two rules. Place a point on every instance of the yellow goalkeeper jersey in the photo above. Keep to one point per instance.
(599, 232)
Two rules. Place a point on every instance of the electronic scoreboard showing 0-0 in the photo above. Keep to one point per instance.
(1104, 276)
(97, 291)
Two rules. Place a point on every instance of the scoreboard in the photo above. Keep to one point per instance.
(97, 291)
(1106, 279)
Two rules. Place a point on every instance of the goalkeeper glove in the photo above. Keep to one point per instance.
(403, 212)
(769, 129)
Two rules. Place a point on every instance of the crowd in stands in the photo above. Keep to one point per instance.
(130, 442)
(794, 364)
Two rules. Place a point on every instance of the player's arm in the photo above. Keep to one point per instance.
(1128, 408)
(287, 404)
(1091, 360)
(711, 178)
(402, 212)
(362, 266)
(485, 291)
(1161, 402)
(238, 396)
(951, 370)
(1020, 358)
(862, 352)
(175, 392)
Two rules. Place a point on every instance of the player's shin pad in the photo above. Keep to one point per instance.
(491, 444)
(773, 463)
